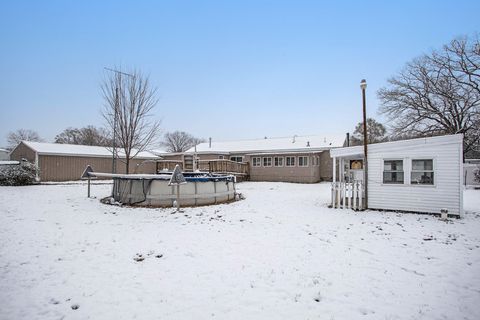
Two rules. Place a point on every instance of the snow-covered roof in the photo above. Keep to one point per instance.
(43, 148)
(379, 147)
(3, 150)
(278, 144)
(9, 162)
(160, 152)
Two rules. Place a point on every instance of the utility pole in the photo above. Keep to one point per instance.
(114, 142)
(363, 86)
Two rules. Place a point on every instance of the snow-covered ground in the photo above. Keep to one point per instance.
(279, 254)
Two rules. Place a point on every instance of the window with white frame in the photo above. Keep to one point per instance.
(267, 161)
(256, 162)
(236, 158)
(422, 172)
(278, 161)
(315, 161)
(393, 172)
(290, 161)
(303, 161)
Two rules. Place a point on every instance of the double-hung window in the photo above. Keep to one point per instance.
(422, 172)
(236, 158)
(290, 161)
(303, 161)
(267, 161)
(278, 161)
(393, 172)
(256, 162)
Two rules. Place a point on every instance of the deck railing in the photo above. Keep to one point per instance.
(168, 165)
(213, 166)
(224, 166)
(348, 195)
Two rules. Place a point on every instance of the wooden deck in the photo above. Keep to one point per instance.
(168, 165)
(219, 166)
(238, 169)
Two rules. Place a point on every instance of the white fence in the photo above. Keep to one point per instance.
(468, 174)
(348, 195)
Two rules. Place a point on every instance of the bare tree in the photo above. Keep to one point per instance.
(89, 135)
(129, 103)
(376, 132)
(430, 96)
(15, 137)
(68, 136)
(179, 141)
(460, 59)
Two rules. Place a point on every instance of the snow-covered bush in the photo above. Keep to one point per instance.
(18, 174)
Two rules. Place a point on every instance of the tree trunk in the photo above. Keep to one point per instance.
(127, 164)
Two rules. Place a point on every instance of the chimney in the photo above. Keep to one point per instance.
(210, 142)
(294, 137)
(348, 139)
(308, 143)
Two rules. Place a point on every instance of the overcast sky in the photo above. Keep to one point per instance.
(223, 69)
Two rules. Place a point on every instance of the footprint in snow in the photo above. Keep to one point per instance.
(139, 257)
(365, 311)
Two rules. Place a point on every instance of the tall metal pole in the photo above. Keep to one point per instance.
(363, 86)
(114, 142)
(114, 167)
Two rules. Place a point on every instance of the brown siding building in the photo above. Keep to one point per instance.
(64, 162)
(303, 159)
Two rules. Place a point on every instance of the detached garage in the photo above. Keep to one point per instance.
(65, 162)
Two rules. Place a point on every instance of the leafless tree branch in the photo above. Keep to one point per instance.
(136, 130)
(437, 94)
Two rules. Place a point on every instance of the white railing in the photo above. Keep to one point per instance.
(348, 195)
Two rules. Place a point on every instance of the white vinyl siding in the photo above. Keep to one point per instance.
(444, 194)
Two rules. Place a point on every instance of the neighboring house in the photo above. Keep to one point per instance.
(304, 159)
(64, 162)
(418, 175)
(469, 168)
(4, 154)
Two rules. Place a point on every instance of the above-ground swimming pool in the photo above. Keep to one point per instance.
(153, 190)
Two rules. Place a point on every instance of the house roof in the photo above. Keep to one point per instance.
(80, 150)
(160, 152)
(278, 144)
(377, 147)
(8, 162)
